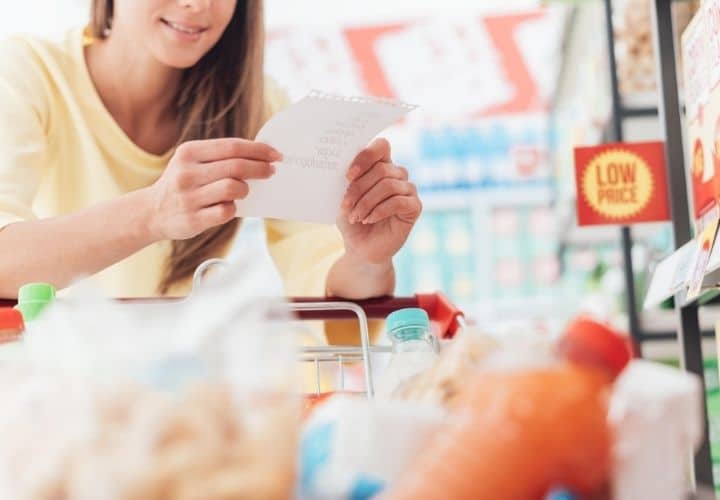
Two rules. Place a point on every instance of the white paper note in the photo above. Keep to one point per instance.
(318, 136)
(661, 285)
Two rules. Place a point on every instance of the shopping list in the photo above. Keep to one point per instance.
(319, 136)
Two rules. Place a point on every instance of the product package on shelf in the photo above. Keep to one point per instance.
(634, 42)
(154, 401)
(702, 103)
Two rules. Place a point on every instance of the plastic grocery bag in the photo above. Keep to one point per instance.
(656, 416)
(189, 400)
(351, 447)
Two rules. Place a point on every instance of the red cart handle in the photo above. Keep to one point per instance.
(440, 310)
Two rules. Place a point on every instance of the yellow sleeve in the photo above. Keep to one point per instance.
(23, 124)
(303, 254)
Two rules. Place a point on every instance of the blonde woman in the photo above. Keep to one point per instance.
(123, 147)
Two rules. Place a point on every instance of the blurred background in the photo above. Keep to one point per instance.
(506, 89)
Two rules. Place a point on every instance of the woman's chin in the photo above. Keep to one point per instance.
(178, 61)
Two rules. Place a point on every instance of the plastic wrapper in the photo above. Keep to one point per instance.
(352, 448)
(191, 400)
(656, 417)
(458, 362)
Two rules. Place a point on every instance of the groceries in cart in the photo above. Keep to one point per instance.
(151, 401)
(201, 399)
(531, 419)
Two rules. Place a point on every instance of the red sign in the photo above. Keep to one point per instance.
(621, 184)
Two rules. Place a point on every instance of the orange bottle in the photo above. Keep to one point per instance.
(518, 434)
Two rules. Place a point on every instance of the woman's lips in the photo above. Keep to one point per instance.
(184, 31)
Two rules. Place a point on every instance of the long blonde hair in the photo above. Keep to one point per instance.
(221, 96)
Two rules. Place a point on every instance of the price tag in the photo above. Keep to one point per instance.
(670, 275)
(686, 256)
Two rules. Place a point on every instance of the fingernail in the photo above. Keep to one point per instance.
(272, 169)
(352, 173)
(276, 155)
(346, 203)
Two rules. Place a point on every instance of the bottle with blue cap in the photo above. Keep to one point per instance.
(413, 348)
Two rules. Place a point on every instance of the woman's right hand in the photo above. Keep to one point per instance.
(203, 179)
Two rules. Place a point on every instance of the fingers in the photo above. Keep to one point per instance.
(383, 190)
(230, 169)
(216, 214)
(405, 208)
(364, 183)
(224, 190)
(378, 150)
(211, 150)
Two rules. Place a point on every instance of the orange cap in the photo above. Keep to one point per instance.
(590, 342)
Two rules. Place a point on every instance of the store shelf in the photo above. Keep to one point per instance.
(641, 112)
(663, 321)
(639, 104)
(644, 104)
(662, 350)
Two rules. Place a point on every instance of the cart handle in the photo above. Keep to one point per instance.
(439, 308)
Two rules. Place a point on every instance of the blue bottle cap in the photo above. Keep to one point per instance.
(411, 319)
(560, 494)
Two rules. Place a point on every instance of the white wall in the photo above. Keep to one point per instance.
(42, 17)
(311, 12)
(47, 17)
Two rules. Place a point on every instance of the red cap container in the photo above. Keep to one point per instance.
(590, 342)
(11, 324)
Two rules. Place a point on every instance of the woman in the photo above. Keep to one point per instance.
(124, 146)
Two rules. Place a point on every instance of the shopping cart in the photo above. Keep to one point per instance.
(445, 318)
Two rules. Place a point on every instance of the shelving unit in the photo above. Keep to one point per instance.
(685, 326)
(689, 331)
(621, 112)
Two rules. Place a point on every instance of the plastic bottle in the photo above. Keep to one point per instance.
(33, 298)
(413, 348)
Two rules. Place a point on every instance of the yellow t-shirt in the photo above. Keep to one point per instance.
(61, 150)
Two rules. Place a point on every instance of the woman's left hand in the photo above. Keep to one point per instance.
(380, 206)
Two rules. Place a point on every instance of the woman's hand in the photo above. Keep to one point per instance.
(380, 206)
(198, 188)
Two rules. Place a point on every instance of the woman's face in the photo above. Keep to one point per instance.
(178, 33)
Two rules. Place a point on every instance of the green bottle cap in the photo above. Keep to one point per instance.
(32, 292)
(33, 298)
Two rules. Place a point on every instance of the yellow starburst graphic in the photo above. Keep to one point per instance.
(617, 184)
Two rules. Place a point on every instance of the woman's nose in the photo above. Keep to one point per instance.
(194, 4)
